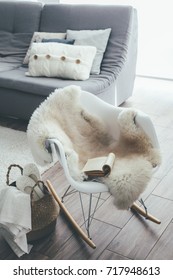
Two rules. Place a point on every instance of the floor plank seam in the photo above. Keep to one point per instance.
(158, 239)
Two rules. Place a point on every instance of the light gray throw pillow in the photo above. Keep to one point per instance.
(97, 38)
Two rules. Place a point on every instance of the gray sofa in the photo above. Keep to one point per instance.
(20, 95)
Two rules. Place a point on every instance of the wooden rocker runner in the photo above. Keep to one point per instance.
(142, 212)
(78, 228)
(69, 216)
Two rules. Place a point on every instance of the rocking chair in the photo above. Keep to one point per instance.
(46, 144)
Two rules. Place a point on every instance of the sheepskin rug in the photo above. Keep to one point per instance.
(84, 136)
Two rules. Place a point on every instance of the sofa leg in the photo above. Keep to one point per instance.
(70, 218)
(142, 212)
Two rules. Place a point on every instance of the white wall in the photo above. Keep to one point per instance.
(49, 1)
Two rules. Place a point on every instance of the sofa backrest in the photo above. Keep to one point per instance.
(60, 17)
(18, 21)
(20, 17)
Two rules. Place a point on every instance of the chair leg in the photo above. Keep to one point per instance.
(70, 218)
(142, 212)
(67, 192)
(88, 218)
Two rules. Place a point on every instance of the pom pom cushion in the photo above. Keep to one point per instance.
(61, 60)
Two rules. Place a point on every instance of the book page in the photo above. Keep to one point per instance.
(99, 166)
(95, 164)
(109, 163)
(110, 159)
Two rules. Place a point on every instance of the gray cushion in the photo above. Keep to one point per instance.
(14, 44)
(18, 21)
(97, 38)
(62, 41)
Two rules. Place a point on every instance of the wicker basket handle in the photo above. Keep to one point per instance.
(9, 170)
(42, 189)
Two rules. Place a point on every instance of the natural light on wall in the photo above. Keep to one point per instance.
(155, 43)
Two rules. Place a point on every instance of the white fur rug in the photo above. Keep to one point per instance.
(14, 148)
(85, 135)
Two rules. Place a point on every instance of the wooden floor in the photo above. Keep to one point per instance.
(118, 234)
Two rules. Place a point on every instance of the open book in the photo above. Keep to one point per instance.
(99, 166)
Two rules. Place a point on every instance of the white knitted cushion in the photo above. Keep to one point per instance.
(61, 60)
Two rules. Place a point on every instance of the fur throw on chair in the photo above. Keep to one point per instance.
(84, 136)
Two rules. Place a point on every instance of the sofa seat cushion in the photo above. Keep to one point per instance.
(16, 80)
(8, 65)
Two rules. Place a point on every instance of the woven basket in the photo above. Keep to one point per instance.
(44, 212)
